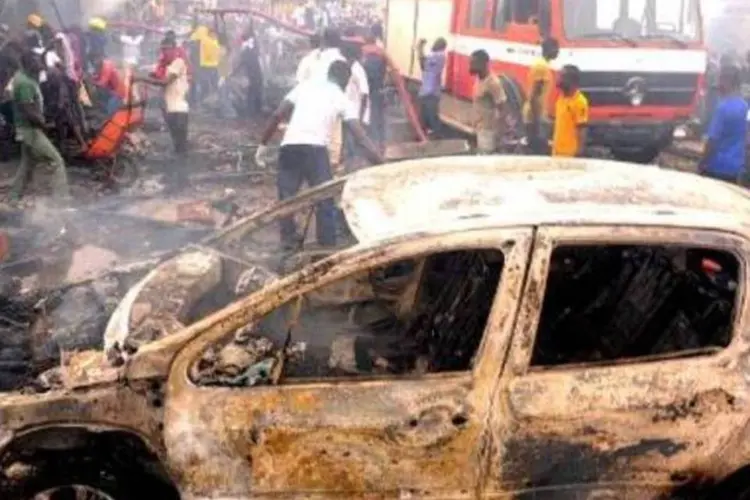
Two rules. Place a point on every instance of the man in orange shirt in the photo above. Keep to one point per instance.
(571, 115)
(107, 77)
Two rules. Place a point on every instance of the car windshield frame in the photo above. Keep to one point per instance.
(587, 20)
(253, 239)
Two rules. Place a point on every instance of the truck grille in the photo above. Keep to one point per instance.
(662, 89)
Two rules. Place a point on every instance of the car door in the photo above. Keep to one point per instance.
(423, 431)
(635, 423)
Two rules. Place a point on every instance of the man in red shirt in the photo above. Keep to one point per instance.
(107, 77)
(167, 56)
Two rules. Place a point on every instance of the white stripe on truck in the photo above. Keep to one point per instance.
(643, 60)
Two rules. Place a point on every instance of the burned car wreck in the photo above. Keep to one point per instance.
(483, 327)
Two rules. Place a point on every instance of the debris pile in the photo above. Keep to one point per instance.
(246, 361)
(65, 273)
(39, 325)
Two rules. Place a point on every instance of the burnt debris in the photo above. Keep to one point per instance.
(360, 327)
(616, 303)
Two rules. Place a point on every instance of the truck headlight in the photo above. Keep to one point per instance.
(636, 98)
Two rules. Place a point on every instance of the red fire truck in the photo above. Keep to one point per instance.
(642, 61)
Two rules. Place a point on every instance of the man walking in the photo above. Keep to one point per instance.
(330, 51)
(724, 151)
(307, 64)
(176, 86)
(376, 68)
(571, 115)
(489, 104)
(535, 111)
(312, 108)
(28, 113)
(358, 93)
(209, 51)
(432, 66)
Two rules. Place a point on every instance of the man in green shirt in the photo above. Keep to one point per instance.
(28, 114)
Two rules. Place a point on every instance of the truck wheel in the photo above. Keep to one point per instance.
(643, 156)
(69, 475)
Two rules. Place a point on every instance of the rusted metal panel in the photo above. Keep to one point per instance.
(427, 435)
(423, 195)
(656, 422)
(136, 409)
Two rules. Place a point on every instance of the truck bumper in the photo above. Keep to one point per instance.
(632, 135)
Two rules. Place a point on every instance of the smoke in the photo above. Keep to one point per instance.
(100, 8)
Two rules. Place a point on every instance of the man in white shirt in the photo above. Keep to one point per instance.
(176, 87)
(131, 48)
(330, 51)
(312, 109)
(50, 61)
(307, 64)
(298, 15)
(62, 44)
(358, 93)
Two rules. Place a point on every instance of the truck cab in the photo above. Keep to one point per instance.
(642, 60)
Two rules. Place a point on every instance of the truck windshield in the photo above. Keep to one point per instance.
(632, 20)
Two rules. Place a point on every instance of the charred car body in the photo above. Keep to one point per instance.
(487, 327)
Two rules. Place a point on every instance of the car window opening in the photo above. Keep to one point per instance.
(619, 303)
(409, 318)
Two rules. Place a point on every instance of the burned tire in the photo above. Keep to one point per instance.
(56, 475)
(125, 173)
(122, 172)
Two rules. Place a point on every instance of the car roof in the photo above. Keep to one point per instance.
(440, 194)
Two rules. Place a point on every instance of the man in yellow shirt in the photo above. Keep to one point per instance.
(571, 115)
(539, 85)
(209, 51)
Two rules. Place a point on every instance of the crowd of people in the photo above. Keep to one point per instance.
(351, 18)
(335, 106)
(54, 81)
(353, 79)
(340, 92)
(726, 123)
(490, 120)
(45, 73)
(336, 111)
(568, 134)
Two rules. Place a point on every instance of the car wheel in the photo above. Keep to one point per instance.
(76, 476)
